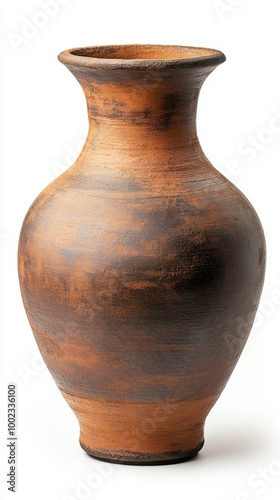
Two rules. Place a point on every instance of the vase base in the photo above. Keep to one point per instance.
(145, 458)
(137, 432)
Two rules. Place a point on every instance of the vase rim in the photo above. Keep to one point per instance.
(141, 56)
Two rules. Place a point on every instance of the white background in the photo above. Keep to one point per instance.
(44, 127)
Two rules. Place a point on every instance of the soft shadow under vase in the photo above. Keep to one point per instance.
(141, 266)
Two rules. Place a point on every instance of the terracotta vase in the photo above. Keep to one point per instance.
(141, 266)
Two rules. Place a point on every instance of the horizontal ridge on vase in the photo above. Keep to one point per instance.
(141, 266)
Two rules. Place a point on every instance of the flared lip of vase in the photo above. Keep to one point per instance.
(141, 56)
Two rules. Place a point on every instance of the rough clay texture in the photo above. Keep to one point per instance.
(141, 266)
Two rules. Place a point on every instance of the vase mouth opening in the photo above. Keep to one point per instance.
(141, 56)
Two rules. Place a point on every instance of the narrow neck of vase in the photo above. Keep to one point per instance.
(141, 103)
(144, 108)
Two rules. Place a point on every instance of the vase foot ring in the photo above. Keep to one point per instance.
(145, 458)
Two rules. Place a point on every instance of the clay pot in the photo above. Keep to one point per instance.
(141, 267)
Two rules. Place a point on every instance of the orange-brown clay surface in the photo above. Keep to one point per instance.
(141, 266)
